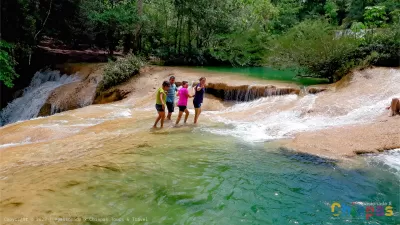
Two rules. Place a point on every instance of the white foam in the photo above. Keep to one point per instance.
(28, 105)
(24, 142)
(283, 116)
(390, 159)
(119, 112)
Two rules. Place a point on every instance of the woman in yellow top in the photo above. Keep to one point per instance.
(161, 97)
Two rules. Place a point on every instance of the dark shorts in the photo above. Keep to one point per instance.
(170, 106)
(182, 108)
(159, 108)
(196, 105)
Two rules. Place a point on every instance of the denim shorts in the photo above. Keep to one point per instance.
(196, 105)
(159, 108)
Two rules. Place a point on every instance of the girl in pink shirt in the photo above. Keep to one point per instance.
(183, 95)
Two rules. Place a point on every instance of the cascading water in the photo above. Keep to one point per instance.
(278, 117)
(389, 160)
(34, 96)
(282, 116)
(104, 162)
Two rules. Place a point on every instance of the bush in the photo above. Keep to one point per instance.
(119, 71)
(385, 44)
(312, 49)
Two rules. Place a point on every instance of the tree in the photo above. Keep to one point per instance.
(7, 64)
(331, 11)
(375, 16)
(111, 20)
(311, 49)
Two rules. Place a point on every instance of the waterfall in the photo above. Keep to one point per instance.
(283, 115)
(245, 93)
(34, 96)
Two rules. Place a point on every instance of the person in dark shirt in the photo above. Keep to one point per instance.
(200, 89)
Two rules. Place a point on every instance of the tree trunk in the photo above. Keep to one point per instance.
(180, 36)
(189, 44)
(176, 34)
(127, 43)
(139, 25)
(111, 42)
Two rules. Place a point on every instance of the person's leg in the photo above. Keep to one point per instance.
(170, 106)
(162, 119)
(187, 115)
(196, 114)
(395, 106)
(179, 117)
(158, 119)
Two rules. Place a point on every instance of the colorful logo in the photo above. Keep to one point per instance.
(357, 209)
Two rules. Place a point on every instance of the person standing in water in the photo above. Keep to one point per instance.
(161, 97)
(171, 97)
(183, 94)
(200, 89)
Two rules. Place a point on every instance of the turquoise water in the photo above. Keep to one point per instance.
(199, 178)
(268, 74)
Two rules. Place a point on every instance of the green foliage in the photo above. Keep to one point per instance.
(384, 44)
(311, 49)
(375, 16)
(110, 20)
(240, 49)
(395, 16)
(199, 32)
(288, 15)
(331, 10)
(119, 71)
(7, 64)
(357, 27)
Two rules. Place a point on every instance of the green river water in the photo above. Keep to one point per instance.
(208, 179)
(268, 74)
(187, 175)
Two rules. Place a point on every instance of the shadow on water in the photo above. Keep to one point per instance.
(306, 158)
